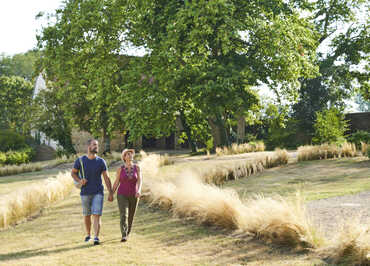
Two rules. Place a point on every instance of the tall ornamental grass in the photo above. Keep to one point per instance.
(218, 174)
(29, 200)
(18, 169)
(351, 245)
(326, 151)
(236, 148)
(272, 220)
(365, 149)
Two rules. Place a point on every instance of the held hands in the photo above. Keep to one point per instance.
(137, 195)
(110, 197)
(83, 181)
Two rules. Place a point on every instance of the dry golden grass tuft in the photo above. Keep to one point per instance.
(273, 220)
(18, 169)
(165, 160)
(282, 221)
(326, 151)
(364, 148)
(27, 201)
(236, 148)
(218, 174)
(351, 246)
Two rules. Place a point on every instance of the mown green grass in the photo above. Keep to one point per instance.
(315, 179)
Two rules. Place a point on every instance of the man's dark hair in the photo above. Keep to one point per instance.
(89, 141)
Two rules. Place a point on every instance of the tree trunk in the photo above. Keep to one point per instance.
(241, 129)
(219, 133)
(187, 129)
(106, 143)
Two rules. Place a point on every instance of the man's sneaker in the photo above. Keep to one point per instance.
(124, 239)
(87, 239)
(96, 241)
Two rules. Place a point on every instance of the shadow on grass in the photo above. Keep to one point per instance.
(222, 245)
(38, 252)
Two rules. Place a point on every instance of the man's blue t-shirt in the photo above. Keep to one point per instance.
(93, 170)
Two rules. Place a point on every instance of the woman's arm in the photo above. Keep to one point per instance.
(116, 183)
(139, 181)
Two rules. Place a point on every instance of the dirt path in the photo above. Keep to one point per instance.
(330, 213)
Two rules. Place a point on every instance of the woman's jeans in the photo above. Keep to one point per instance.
(127, 208)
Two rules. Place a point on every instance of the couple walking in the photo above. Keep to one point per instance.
(87, 172)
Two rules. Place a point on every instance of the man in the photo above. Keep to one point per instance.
(92, 187)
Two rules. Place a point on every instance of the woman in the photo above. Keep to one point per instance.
(128, 181)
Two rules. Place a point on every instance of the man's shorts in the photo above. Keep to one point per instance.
(92, 204)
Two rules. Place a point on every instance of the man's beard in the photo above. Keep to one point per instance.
(94, 151)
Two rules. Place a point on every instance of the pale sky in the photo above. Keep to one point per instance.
(18, 25)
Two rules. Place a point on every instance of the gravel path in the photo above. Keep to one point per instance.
(329, 213)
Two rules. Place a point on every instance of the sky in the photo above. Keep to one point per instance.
(18, 25)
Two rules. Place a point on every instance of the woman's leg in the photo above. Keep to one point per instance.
(123, 206)
(133, 202)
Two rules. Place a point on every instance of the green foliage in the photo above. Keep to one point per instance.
(15, 102)
(208, 55)
(368, 151)
(11, 140)
(50, 118)
(344, 68)
(359, 136)
(21, 65)
(2, 158)
(81, 59)
(330, 127)
(17, 157)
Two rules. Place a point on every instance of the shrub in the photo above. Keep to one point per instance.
(10, 140)
(359, 136)
(19, 157)
(2, 158)
(330, 127)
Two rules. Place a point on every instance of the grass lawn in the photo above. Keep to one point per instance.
(55, 237)
(315, 179)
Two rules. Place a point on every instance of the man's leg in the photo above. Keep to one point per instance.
(86, 211)
(87, 219)
(96, 211)
(96, 224)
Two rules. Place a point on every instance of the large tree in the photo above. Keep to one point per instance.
(209, 54)
(343, 66)
(81, 58)
(203, 58)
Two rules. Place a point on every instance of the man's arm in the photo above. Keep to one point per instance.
(74, 174)
(108, 184)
